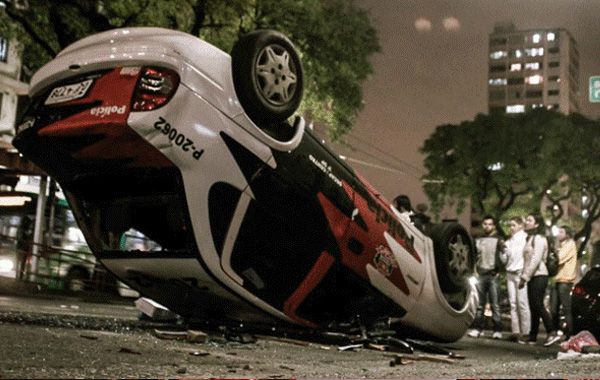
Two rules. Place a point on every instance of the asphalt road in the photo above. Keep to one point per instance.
(70, 338)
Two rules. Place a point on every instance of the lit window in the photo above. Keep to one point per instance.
(534, 79)
(551, 36)
(517, 108)
(515, 67)
(518, 53)
(498, 55)
(534, 52)
(536, 38)
(497, 82)
(532, 66)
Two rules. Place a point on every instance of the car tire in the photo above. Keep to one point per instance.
(454, 256)
(267, 75)
(76, 280)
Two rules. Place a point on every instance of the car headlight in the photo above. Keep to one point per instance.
(6, 265)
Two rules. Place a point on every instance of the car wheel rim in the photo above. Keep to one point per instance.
(458, 264)
(276, 75)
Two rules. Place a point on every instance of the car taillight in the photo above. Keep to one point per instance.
(154, 88)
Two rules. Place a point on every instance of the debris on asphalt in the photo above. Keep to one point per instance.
(577, 342)
(240, 337)
(154, 310)
(172, 335)
(574, 355)
(428, 347)
(284, 340)
(199, 353)
(124, 350)
(196, 336)
(408, 358)
(181, 370)
(88, 336)
(377, 347)
(350, 347)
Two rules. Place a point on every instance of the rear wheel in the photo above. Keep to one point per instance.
(267, 74)
(454, 256)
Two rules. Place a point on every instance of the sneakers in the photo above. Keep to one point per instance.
(525, 339)
(497, 335)
(551, 339)
(475, 333)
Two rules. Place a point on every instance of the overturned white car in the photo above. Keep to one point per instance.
(243, 215)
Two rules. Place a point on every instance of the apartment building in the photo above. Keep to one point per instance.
(532, 68)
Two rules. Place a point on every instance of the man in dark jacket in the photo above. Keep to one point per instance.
(489, 248)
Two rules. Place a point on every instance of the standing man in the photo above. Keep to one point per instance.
(564, 279)
(489, 249)
(520, 317)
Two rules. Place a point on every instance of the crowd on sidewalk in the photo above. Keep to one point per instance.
(523, 256)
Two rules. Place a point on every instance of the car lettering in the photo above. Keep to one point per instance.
(182, 141)
(325, 168)
(107, 110)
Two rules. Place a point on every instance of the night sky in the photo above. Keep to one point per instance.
(433, 70)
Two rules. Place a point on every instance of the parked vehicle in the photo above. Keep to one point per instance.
(64, 263)
(245, 215)
(585, 303)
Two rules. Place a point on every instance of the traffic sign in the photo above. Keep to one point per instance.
(595, 89)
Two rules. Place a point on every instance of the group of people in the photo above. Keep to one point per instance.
(523, 256)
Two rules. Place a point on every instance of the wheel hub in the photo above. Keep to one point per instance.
(276, 75)
(459, 262)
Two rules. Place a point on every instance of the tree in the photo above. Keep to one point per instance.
(493, 160)
(334, 37)
(502, 162)
(579, 153)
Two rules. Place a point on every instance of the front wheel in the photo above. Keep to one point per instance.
(454, 256)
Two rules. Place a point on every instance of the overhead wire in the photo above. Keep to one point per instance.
(390, 166)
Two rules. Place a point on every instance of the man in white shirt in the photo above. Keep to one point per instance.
(512, 258)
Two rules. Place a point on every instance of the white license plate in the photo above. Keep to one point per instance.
(69, 92)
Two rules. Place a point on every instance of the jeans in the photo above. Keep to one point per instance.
(520, 317)
(561, 295)
(536, 290)
(487, 285)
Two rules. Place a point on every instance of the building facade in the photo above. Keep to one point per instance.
(10, 89)
(532, 68)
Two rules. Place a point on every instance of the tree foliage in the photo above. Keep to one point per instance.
(502, 162)
(335, 38)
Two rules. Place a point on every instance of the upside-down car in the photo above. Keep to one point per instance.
(246, 216)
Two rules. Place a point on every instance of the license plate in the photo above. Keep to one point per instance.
(69, 92)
